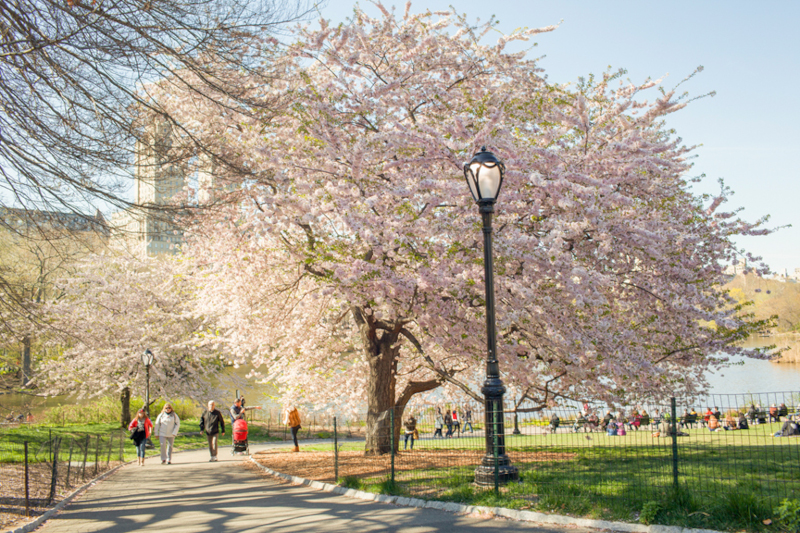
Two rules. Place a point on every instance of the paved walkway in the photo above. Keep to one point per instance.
(193, 495)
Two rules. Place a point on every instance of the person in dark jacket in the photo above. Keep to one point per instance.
(448, 421)
(212, 424)
(411, 427)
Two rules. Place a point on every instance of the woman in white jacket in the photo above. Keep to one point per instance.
(166, 429)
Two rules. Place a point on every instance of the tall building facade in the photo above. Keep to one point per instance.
(149, 228)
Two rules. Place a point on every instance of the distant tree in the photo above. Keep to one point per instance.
(76, 84)
(113, 309)
(351, 266)
(40, 249)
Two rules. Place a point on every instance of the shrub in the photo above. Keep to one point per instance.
(788, 514)
(351, 482)
(649, 511)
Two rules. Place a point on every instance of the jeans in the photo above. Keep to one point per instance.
(405, 442)
(212, 444)
(294, 435)
(437, 432)
(468, 423)
(140, 448)
(166, 448)
(449, 431)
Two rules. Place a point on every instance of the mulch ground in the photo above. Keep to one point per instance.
(319, 466)
(12, 489)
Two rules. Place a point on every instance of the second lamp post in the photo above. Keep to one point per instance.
(484, 174)
(147, 360)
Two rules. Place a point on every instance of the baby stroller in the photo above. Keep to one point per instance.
(240, 444)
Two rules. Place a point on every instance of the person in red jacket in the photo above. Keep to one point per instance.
(140, 428)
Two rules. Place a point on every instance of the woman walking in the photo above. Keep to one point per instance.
(438, 424)
(140, 428)
(292, 419)
(166, 429)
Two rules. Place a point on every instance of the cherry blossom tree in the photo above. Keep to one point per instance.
(115, 308)
(350, 269)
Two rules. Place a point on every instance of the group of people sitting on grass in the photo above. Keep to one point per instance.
(712, 419)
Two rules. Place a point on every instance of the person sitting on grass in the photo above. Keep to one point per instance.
(644, 419)
(580, 422)
(730, 423)
(773, 414)
(691, 418)
(606, 420)
(707, 416)
(783, 410)
(713, 424)
(741, 422)
(621, 428)
(789, 429)
(592, 422)
(635, 420)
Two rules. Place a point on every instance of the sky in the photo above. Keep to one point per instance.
(750, 52)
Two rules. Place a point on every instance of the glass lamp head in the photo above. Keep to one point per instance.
(484, 175)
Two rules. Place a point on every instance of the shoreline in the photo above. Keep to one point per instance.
(790, 342)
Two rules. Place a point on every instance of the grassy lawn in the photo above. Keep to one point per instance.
(39, 440)
(727, 480)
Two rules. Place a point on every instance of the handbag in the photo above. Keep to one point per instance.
(416, 434)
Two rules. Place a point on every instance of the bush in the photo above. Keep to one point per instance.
(108, 410)
(649, 511)
(352, 482)
(788, 514)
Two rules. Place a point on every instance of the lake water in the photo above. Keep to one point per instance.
(752, 375)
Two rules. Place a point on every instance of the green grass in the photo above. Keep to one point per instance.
(727, 480)
(38, 437)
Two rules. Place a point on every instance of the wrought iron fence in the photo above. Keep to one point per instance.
(35, 474)
(579, 458)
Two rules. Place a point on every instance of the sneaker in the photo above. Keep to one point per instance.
(169, 462)
(211, 460)
(163, 462)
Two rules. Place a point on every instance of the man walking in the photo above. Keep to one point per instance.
(211, 422)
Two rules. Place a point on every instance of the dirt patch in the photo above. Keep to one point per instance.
(319, 466)
(12, 489)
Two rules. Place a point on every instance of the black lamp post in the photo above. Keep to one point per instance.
(147, 360)
(484, 176)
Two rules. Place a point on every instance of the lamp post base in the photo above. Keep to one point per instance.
(484, 475)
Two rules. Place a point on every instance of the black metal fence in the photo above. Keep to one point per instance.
(35, 474)
(582, 459)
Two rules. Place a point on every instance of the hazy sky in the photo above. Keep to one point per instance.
(748, 131)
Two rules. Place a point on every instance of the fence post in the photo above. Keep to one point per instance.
(674, 444)
(121, 448)
(54, 476)
(496, 458)
(69, 461)
(110, 445)
(27, 483)
(391, 438)
(50, 444)
(96, 454)
(85, 457)
(335, 453)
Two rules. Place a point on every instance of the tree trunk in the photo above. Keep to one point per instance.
(380, 394)
(26, 373)
(125, 400)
